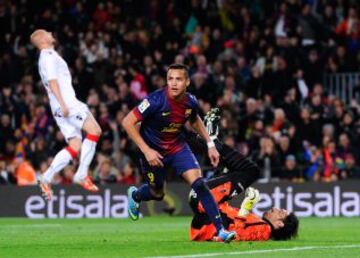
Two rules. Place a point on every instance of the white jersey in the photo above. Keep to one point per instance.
(53, 67)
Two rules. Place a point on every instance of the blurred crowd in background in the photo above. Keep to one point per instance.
(261, 62)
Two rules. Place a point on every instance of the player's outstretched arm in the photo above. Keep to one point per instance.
(199, 127)
(129, 124)
(54, 86)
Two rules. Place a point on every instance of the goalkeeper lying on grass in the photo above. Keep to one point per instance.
(276, 224)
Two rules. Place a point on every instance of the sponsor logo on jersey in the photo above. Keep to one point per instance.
(165, 113)
(144, 105)
(172, 128)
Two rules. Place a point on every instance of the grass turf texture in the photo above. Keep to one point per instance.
(165, 236)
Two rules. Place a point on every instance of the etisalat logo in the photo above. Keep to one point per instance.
(304, 204)
(66, 205)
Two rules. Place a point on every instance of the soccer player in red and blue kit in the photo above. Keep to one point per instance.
(161, 139)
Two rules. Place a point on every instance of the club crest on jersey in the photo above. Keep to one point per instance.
(143, 105)
(188, 112)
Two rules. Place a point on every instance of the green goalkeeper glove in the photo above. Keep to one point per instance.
(252, 197)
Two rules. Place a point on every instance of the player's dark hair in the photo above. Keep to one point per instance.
(290, 229)
(183, 67)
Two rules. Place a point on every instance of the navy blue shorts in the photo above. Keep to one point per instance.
(181, 162)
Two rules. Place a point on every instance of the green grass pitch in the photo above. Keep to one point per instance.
(166, 237)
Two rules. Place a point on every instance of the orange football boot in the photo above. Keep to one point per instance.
(88, 184)
(46, 190)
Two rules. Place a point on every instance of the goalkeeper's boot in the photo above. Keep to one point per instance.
(133, 206)
(225, 236)
(88, 184)
(252, 197)
(211, 121)
(46, 191)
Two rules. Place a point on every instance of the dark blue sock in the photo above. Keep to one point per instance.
(142, 194)
(208, 202)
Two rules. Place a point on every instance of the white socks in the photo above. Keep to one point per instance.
(87, 154)
(61, 160)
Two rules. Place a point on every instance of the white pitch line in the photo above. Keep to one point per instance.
(32, 226)
(261, 251)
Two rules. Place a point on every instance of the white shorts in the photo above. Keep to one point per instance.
(71, 126)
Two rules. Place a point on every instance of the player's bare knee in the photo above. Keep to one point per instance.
(95, 130)
(98, 131)
(75, 144)
(91, 126)
(76, 148)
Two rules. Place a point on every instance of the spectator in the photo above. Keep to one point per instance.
(284, 148)
(7, 132)
(6, 176)
(128, 175)
(105, 173)
(352, 170)
(40, 152)
(309, 128)
(315, 163)
(350, 27)
(345, 147)
(267, 156)
(25, 173)
(290, 170)
(68, 175)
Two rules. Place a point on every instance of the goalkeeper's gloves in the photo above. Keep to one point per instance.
(211, 121)
(252, 197)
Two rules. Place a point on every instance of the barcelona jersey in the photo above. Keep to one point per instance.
(163, 119)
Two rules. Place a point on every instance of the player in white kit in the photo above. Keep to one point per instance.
(71, 115)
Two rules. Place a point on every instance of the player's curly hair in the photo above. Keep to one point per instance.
(289, 230)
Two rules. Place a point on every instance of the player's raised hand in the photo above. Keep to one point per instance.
(252, 197)
(154, 158)
(213, 156)
(64, 111)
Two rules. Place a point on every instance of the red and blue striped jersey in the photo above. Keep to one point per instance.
(163, 119)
